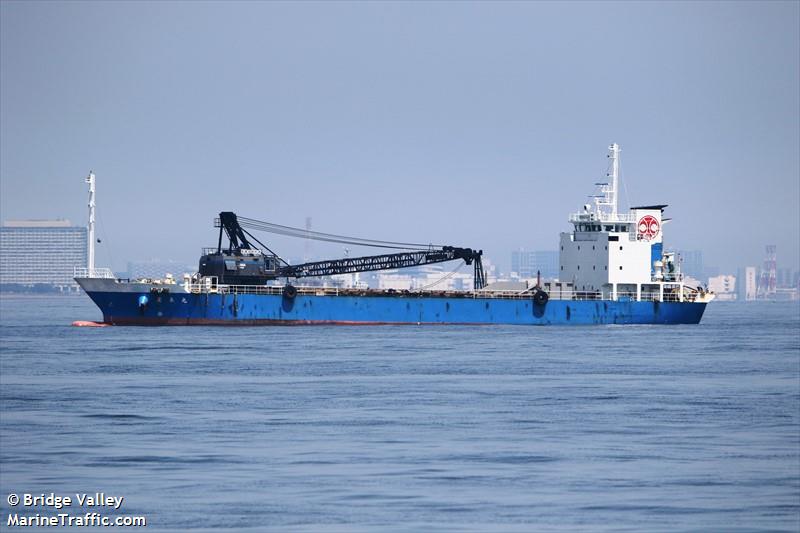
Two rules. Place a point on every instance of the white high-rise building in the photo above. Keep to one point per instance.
(723, 286)
(41, 252)
(750, 283)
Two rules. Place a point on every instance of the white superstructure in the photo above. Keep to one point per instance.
(612, 255)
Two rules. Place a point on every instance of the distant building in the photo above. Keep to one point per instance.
(526, 264)
(157, 269)
(692, 263)
(41, 253)
(430, 277)
(789, 294)
(455, 276)
(750, 284)
(787, 279)
(767, 281)
(711, 272)
(723, 286)
(349, 281)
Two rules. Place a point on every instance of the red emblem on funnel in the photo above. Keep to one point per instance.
(648, 227)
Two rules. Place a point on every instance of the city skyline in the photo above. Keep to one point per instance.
(524, 263)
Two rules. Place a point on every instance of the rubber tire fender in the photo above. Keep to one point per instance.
(540, 297)
(289, 291)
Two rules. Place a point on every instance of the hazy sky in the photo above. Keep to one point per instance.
(473, 124)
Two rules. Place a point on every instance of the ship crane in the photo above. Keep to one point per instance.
(245, 264)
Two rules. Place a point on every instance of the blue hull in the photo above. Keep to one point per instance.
(123, 308)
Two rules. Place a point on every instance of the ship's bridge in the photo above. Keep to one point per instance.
(592, 221)
(612, 253)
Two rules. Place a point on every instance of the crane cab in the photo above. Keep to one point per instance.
(238, 267)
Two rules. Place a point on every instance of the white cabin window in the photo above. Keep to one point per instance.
(620, 267)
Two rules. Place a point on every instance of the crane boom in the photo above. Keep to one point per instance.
(243, 263)
(349, 265)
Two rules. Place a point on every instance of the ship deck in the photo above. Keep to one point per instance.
(395, 293)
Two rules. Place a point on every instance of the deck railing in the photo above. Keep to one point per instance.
(82, 272)
(607, 218)
(210, 286)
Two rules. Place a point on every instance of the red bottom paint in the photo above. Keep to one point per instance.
(89, 324)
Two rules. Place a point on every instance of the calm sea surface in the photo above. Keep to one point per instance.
(404, 428)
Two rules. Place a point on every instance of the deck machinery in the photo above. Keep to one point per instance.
(242, 263)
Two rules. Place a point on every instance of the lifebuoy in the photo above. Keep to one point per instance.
(289, 291)
(540, 297)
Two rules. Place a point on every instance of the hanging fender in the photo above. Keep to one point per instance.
(540, 297)
(289, 291)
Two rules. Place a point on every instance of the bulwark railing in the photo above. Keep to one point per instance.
(207, 286)
(82, 272)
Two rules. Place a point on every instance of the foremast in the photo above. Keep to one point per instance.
(90, 271)
(90, 244)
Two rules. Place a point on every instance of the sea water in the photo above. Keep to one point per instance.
(406, 428)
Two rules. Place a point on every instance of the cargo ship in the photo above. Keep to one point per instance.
(613, 269)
